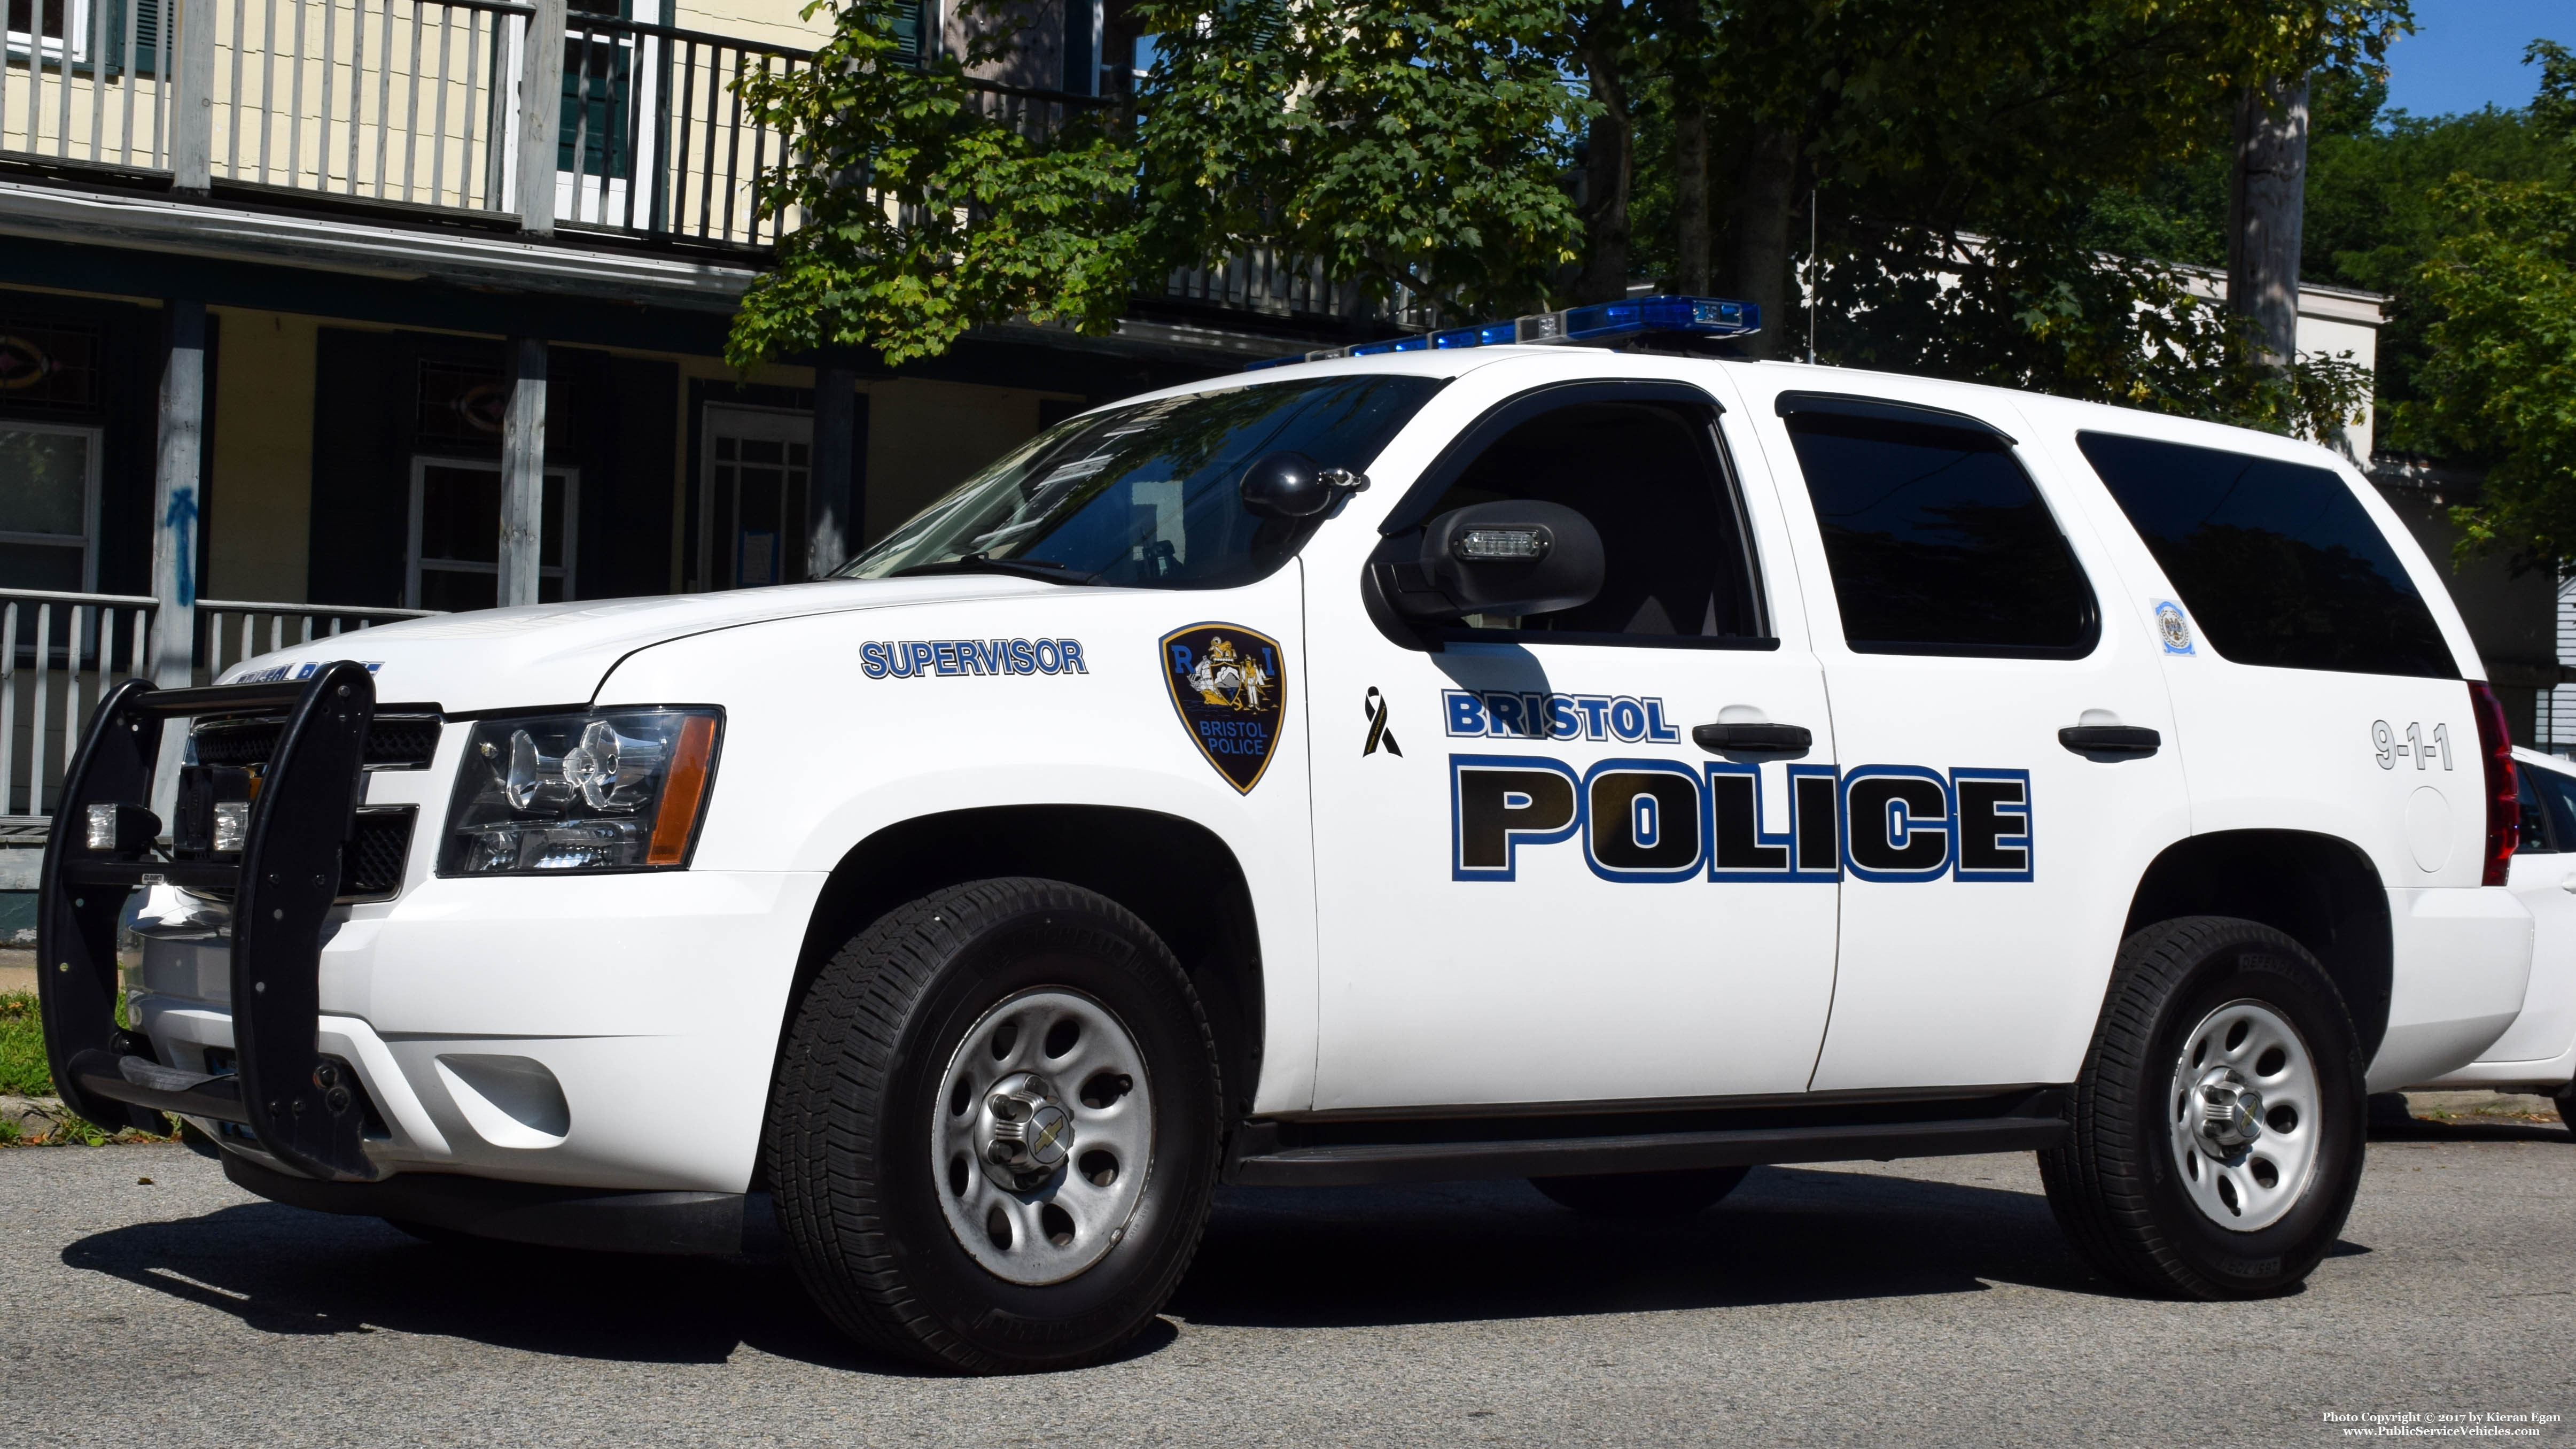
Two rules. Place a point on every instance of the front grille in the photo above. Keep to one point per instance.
(404, 740)
(371, 864)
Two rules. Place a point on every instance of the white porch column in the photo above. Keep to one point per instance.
(174, 526)
(540, 115)
(523, 471)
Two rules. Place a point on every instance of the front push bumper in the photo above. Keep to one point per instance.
(304, 1108)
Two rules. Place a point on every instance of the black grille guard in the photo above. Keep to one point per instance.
(297, 1103)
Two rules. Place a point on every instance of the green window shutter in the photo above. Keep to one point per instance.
(147, 37)
(607, 131)
(907, 32)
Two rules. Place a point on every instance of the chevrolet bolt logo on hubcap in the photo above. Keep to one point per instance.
(1027, 1133)
(2231, 1113)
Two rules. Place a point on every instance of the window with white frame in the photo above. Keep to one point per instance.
(455, 555)
(48, 506)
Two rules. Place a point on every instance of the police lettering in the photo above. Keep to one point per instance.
(1642, 820)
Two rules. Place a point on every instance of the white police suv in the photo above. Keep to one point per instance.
(1608, 769)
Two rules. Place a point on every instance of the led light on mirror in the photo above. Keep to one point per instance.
(1502, 544)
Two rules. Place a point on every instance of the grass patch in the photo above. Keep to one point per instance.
(23, 1072)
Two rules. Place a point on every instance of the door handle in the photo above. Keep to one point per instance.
(1753, 739)
(2110, 739)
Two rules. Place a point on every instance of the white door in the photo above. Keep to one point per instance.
(456, 534)
(752, 506)
(1533, 886)
(2543, 877)
(1990, 865)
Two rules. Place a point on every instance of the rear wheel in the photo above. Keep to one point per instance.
(994, 1134)
(1678, 1194)
(2219, 1121)
(2566, 1100)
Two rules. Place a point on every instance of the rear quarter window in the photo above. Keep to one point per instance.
(2278, 562)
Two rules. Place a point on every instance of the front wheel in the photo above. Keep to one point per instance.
(2219, 1121)
(994, 1134)
(2566, 1100)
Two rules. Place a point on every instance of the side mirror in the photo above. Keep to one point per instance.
(1292, 485)
(1500, 558)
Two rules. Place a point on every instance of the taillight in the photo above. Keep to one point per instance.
(2504, 811)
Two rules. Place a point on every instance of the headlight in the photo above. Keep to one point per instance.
(618, 789)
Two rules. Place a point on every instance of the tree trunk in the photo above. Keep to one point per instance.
(2266, 204)
(1765, 184)
(1606, 166)
(1690, 192)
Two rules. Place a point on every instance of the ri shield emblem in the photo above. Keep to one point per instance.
(1230, 685)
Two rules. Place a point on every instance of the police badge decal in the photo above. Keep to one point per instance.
(1230, 685)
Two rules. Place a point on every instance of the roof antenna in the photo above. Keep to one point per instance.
(1811, 276)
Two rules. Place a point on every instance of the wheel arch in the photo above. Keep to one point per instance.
(2320, 890)
(1177, 875)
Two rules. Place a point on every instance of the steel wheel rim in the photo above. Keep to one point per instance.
(1033, 1221)
(2245, 1116)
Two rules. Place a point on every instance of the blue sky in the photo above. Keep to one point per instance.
(2465, 54)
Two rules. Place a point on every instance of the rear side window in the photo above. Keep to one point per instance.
(2278, 562)
(1938, 541)
(2555, 795)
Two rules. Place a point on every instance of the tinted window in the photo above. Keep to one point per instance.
(1147, 496)
(1938, 542)
(2535, 829)
(1648, 478)
(2278, 562)
(2557, 799)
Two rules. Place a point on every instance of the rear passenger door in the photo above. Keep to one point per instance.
(1988, 863)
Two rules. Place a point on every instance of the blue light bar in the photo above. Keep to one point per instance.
(1602, 322)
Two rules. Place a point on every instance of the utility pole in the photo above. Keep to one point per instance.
(2265, 205)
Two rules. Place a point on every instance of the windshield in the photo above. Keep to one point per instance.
(1145, 496)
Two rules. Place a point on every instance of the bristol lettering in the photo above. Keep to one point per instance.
(1501, 714)
(1649, 820)
(942, 658)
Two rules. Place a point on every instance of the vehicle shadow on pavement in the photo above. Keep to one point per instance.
(1313, 1257)
(2470, 1129)
(284, 1270)
(1273, 1257)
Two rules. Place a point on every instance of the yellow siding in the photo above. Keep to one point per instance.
(261, 495)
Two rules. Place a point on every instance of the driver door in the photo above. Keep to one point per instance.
(1534, 887)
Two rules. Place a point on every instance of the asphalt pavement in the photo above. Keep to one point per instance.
(1907, 1303)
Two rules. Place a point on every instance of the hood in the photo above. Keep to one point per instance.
(558, 653)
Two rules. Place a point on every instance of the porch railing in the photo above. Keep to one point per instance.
(60, 653)
(384, 100)
(233, 628)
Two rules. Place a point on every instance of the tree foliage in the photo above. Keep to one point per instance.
(928, 205)
(1409, 144)
(2501, 369)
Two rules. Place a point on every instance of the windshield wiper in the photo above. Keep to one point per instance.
(976, 563)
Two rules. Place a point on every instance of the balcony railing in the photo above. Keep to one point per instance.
(416, 103)
(60, 653)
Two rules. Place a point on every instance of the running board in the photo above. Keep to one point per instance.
(2026, 1122)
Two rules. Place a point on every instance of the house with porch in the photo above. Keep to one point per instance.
(316, 314)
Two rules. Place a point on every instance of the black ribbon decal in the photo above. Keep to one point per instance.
(1379, 734)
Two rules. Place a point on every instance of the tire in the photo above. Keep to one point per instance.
(2566, 1100)
(907, 1069)
(2141, 1200)
(1681, 1194)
